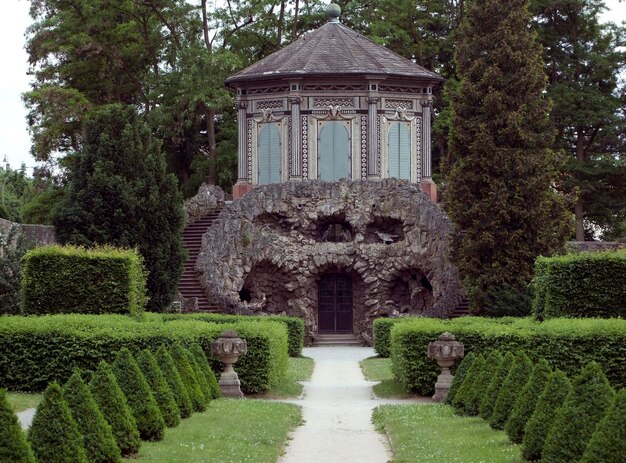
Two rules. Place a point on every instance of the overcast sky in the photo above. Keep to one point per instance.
(14, 138)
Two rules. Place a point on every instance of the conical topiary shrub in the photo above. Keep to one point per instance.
(161, 390)
(13, 445)
(542, 419)
(204, 365)
(493, 390)
(459, 376)
(188, 376)
(53, 434)
(139, 396)
(96, 433)
(475, 395)
(511, 387)
(175, 382)
(608, 442)
(525, 403)
(576, 420)
(461, 397)
(114, 407)
(203, 382)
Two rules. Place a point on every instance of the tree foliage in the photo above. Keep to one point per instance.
(608, 442)
(500, 192)
(121, 194)
(459, 376)
(511, 387)
(490, 396)
(462, 397)
(159, 387)
(205, 368)
(188, 376)
(13, 246)
(175, 382)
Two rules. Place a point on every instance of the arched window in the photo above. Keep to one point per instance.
(269, 155)
(333, 152)
(399, 152)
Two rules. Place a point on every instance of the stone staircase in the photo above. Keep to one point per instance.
(189, 286)
(336, 340)
(461, 309)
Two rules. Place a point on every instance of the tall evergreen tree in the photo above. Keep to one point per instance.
(583, 61)
(121, 194)
(500, 185)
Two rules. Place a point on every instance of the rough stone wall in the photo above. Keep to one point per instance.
(40, 234)
(208, 198)
(271, 247)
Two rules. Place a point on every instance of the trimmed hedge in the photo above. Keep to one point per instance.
(206, 369)
(188, 375)
(567, 344)
(159, 387)
(37, 350)
(294, 325)
(68, 279)
(459, 376)
(591, 284)
(490, 397)
(53, 434)
(174, 381)
(13, 445)
(96, 433)
(511, 387)
(482, 383)
(463, 398)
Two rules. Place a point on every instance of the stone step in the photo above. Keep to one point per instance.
(336, 340)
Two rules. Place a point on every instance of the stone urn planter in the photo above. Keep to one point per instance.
(446, 351)
(229, 347)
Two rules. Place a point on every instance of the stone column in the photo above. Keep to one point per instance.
(372, 136)
(242, 186)
(296, 138)
(426, 181)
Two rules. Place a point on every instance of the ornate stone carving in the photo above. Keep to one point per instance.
(399, 89)
(327, 87)
(269, 104)
(264, 90)
(363, 147)
(241, 104)
(333, 102)
(249, 153)
(445, 351)
(373, 100)
(398, 104)
(305, 147)
(229, 347)
(289, 145)
(378, 137)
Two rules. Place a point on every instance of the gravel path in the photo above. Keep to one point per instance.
(337, 408)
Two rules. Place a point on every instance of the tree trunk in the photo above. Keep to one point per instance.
(578, 209)
(210, 125)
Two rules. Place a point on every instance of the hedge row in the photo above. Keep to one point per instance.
(294, 325)
(566, 344)
(67, 279)
(35, 351)
(580, 285)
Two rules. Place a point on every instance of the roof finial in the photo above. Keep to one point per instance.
(333, 11)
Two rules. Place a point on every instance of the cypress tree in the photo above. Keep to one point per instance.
(501, 165)
(114, 406)
(203, 382)
(203, 363)
(525, 404)
(459, 376)
(541, 421)
(96, 433)
(175, 382)
(511, 387)
(608, 442)
(121, 194)
(490, 396)
(139, 396)
(53, 434)
(13, 445)
(575, 422)
(462, 396)
(188, 376)
(161, 390)
(475, 394)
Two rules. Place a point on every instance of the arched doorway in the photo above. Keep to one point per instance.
(334, 303)
(333, 152)
(269, 155)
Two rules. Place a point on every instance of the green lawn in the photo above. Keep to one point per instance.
(21, 400)
(379, 369)
(230, 431)
(300, 369)
(428, 433)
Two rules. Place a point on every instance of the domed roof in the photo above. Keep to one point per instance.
(332, 50)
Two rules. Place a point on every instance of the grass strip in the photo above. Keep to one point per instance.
(298, 369)
(379, 369)
(22, 400)
(428, 433)
(229, 431)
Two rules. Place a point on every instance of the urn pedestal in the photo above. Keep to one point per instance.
(445, 351)
(229, 347)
